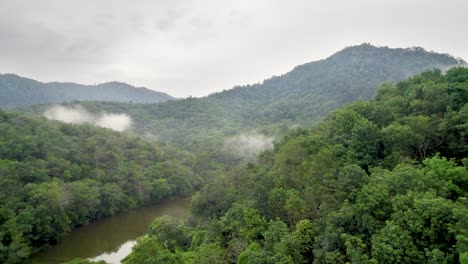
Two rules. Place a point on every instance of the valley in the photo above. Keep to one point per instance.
(336, 161)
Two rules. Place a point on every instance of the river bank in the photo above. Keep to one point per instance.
(110, 239)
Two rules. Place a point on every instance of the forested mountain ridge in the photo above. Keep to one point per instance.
(310, 91)
(302, 96)
(382, 181)
(19, 91)
(335, 193)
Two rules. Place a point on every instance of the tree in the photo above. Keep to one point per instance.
(170, 232)
(148, 250)
(393, 244)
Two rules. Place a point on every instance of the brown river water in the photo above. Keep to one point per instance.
(110, 239)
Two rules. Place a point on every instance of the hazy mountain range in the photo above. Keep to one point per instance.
(302, 96)
(19, 91)
(353, 73)
(57, 176)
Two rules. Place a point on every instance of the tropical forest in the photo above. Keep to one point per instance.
(357, 156)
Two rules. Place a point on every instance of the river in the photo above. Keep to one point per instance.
(110, 239)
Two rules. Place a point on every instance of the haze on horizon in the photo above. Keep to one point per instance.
(188, 48)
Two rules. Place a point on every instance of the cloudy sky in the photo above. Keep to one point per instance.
(193, 48)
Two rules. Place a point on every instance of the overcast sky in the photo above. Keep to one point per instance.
(198, 47)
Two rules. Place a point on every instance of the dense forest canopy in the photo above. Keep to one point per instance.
(302, 97)
(383, 181)
(19, 91)
(56, 176)
(379, 181)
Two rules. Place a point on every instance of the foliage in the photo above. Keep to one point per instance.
(383, 181)
(377, 181)
(55, 176)
(303, 96)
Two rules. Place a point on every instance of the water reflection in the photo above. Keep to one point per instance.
(116, 257)
(110, 236)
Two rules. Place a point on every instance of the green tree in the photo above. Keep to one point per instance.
(148, 250)
(393, 244)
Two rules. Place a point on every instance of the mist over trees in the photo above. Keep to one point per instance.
(382, 181)
(303, 97)
(290, 170)
(56, 176)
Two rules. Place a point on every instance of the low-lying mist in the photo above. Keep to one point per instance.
(78, 115)
(248, 146)
(444, 69)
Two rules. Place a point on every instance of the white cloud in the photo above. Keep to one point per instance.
(248, 146)
(78, 115)
(73, 115)
(117, 122)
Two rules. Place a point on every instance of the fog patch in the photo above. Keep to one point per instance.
(117, 122)
(248, 146)
(78, 115)
(444, 69)
(73, 115)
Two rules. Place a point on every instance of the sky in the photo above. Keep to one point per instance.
(194, 48)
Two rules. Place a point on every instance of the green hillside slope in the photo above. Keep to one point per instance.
(302, 96)
(383, 181)
(56, 176)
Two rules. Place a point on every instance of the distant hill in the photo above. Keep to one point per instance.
(302, 96)
(19, 91)
(311, 90)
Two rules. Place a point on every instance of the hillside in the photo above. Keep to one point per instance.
(55, 177)
(19, 91)
(311, 196)
(311, 90)
(302, 96)
(382, 181)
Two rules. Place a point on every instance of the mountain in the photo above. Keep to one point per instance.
(302, 96)
(309, 196)
(19, 91)
(311, 90)
(381, 181)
